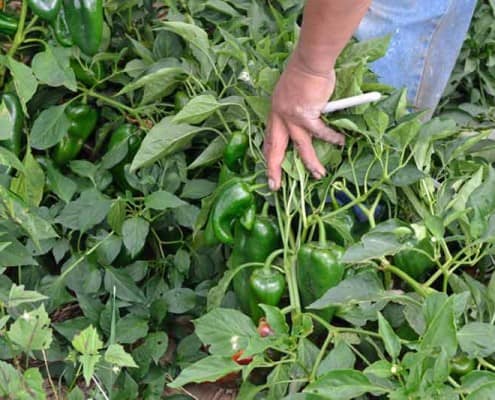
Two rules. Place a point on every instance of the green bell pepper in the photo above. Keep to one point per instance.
(253, 245)
(8, 24)
(85, 20)
(90, 76)
(14, 140)
(46, 9)
(417, 260)
(267, 287)
(124, 135)
(180, 100)
(236, 150)
(61, 30)
(234, 201)
(461, 365)
(319, 268)
(83, 119)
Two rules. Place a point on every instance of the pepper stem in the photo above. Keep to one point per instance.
(264, 211)
(322, 234)
(269, 260)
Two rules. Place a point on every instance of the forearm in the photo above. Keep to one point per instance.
(327, 27)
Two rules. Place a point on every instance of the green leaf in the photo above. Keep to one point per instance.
(441, 329)
(125, 288)
(163, 139)
(12, 207)
(61, 185)
(476, 379)
(276, 319)
(49, 128)
(115, 354)
(477, 339)
(31, 330)
(380, 369)
(162, 200)
(116, 216)
(197, 189)
(343, 385)
(88, 341)
(225, 330)
(52, 67)
(9, 159)
(7, 122)
(197, 39)
(24, 81)
(130, 329)
(208, 369)
(213, 152)
(88, 210)
(362, 287)
(485, 392)
(30, 183)
(340, 357)
(390, 339)
(18, 295)
(482, 201)
(162, 75)
(154, 347)
(197, 110)
(180, 300)
(89, 362)
(134, 232)
(373, 245)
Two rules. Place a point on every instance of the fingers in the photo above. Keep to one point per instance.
(276, 141)
(303, 144)
(319, 130)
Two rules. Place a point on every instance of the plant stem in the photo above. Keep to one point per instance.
(418, 288)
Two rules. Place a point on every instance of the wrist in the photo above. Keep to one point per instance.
(318, 62)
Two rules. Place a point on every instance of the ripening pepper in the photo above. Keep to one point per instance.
(417, 260)
(13, 140)
(235, 150)
(61, 29)
(90, 76)
(8, 24)
(234, 201)
(319, 268)
(46, 9)
(124, 135)
(180, 100)
(267, 286)
(83, 119)
(253, 245)
(85, 20)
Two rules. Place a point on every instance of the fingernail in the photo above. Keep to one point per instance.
(271, 184)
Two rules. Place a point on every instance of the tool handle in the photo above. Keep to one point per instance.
(351, 102)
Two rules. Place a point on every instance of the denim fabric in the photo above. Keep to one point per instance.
(426, 37)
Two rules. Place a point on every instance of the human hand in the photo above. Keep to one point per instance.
(297, 101)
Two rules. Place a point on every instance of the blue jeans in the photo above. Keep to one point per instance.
(426, 37)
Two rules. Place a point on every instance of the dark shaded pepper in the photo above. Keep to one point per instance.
(235, 151)
(417, 260)
(14, 140)
(124, 135)
(83, 119)
(46, 9)
(319, 269)
(254, 246)
(85, 21)
(8, 24)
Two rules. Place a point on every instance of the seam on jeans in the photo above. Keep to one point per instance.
(428, 50)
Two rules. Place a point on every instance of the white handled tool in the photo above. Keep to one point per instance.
(351, 102)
